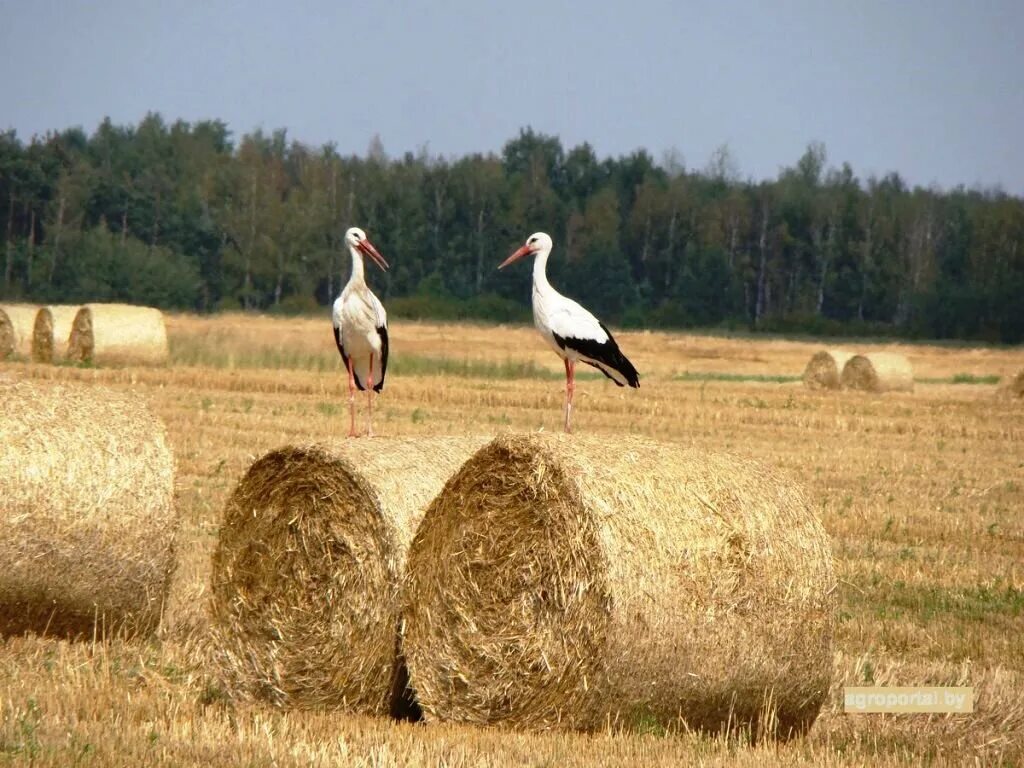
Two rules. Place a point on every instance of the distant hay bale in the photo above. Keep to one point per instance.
(1014, 387)
(878, 372)
(87, 521)
(568, 582)
(118, 334)
(50, 333)
(1017, 384)
(306, 575)
(825, 368)
(16, 322)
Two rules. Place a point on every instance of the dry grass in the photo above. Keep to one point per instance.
(557, 584)
(825, 368)
(16, 321)
(921, 495)
(878, 372)
(87, 521)
(50, 333)
(118, 334)
(308, 565)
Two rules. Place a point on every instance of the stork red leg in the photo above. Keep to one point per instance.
(351, 401)
(369, 400)
(570, 390)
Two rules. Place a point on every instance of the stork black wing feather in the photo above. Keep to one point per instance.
(602, 355)
(383, 332)
(344, 357)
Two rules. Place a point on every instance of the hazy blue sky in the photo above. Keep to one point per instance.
(931, 88)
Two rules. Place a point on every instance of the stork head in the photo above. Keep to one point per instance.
(538, 242)
(357, 240)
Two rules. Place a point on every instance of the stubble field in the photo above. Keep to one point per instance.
(922, 494)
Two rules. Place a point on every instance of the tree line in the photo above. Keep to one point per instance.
(181, 216)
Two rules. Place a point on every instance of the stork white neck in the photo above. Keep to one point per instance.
(358, 272)
(540, 265)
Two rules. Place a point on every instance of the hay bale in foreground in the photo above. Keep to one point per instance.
(878, 372)
(824, 368)
(87, 522)
(306, 576)
(50, 333)
(118, 334)
(564, 582)
(16, 322)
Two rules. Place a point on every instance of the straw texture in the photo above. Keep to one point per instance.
(50, 333)
(878, 372)
(824, 368)
(118, 334)
(306, 575)
(16, 321)
(576, 582)
(87, 523)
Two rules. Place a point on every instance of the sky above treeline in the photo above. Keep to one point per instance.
(933, 89)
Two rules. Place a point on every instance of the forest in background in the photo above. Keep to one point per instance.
(181, 216)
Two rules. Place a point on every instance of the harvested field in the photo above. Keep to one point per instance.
(920, 494)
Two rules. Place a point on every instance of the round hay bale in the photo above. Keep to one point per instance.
(118, 334)
(562, 582)
(16, 322)
(878, 372)
(825, 368)
(50, 333)
(306, 575)
(1014, 388)
(87, 522)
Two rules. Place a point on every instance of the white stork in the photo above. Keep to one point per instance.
(569, 329)
(361, 330)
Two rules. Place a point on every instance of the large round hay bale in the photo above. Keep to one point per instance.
(878, 372)
(824, 368)
(87, 521)
(50, 333)
(574, 582)
(306, 575)
(16, 322)
(118, 334)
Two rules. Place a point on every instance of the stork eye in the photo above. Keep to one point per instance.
(533, 239)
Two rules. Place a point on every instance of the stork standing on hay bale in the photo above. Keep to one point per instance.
(361, 329)
(570, 330)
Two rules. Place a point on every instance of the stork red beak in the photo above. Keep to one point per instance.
(524, 251)
(367, 247)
